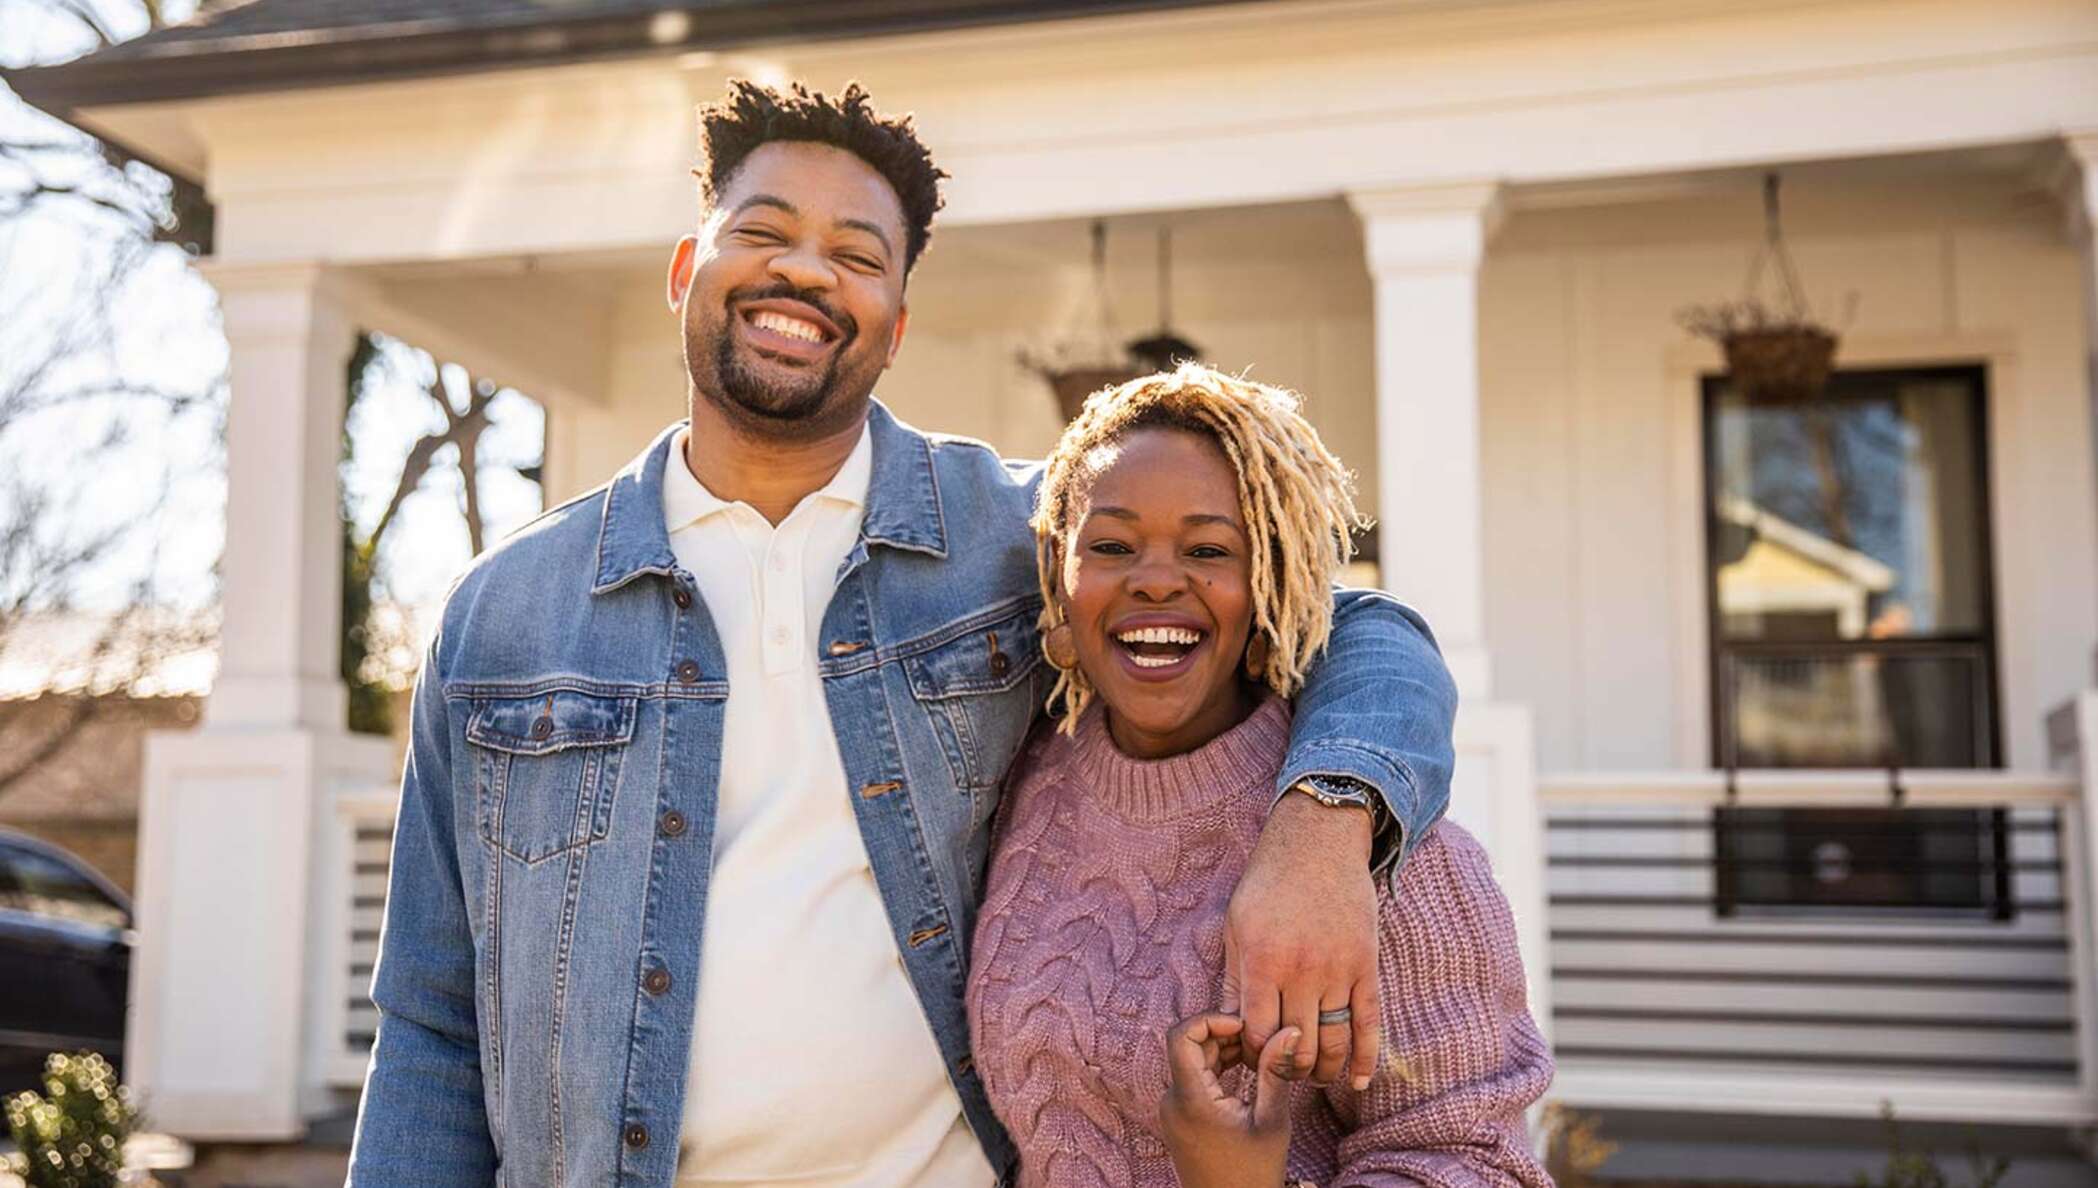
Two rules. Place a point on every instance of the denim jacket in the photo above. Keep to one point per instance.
(542, 935)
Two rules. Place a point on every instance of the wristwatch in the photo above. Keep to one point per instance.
(1339, 792)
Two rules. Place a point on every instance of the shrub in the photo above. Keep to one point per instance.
(72, 1134)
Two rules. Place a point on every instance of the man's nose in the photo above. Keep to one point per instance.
(804, 267)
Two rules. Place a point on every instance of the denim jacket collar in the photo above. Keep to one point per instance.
(903, 503)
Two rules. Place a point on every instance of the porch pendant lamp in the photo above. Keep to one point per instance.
(1083, 363)
(1775, 354)
(1164, 350)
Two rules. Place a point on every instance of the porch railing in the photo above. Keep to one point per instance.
(1658, 999)
(358, 854)
(1666, 995)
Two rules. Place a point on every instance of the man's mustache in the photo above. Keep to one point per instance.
(847, 327)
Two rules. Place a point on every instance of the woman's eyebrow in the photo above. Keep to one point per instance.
(1123, 513)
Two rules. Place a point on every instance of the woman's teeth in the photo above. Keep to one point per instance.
(1158, 647)
(1164, 635)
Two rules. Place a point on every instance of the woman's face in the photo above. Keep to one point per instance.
(1157, 588)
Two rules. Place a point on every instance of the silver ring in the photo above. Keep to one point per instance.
(1336, 1015)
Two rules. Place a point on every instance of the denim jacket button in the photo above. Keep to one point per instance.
(541, 727)
(636, 1136)
(672, 823)
(687, 672)
(683, 598)
(656, 981)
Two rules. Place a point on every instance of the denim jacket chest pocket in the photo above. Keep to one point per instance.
(978, 692)
(546, 768)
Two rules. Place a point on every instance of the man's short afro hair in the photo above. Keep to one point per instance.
(752, 115)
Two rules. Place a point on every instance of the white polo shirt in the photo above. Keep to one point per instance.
(812, 1063)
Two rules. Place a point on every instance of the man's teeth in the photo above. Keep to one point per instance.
(1161, 635)
(780, 323)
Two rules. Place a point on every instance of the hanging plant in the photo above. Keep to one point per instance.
(1775, 354)
(1075, 368)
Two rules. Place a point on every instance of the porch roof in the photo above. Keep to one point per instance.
(276, 45)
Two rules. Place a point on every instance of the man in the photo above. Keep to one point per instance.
(767, 680)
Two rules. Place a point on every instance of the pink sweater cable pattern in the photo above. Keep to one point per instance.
(1102, 925)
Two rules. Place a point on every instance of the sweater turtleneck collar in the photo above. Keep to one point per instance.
(1246, 755)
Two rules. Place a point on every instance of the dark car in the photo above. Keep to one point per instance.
(65, 959)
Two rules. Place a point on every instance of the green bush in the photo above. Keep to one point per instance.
(1908, 1168)
(72, 1134)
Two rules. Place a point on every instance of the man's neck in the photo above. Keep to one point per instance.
(770, 475)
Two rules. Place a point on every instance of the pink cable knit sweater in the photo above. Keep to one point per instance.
(1103, 925)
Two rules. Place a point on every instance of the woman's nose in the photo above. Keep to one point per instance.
(1156, 578)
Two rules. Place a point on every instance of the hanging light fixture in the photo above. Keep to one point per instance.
(1164, 350)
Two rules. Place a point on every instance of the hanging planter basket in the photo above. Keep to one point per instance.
(1073, 385)
(1774, 355)
(1781, 364)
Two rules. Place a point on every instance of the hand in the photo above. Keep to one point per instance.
(1300, 937)
(1216, 1140)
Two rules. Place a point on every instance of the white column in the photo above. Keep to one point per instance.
(1425, 245)
(224, 977)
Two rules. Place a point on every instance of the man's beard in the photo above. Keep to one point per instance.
(799, 405)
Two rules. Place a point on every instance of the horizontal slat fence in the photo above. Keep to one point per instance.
(1666, 992)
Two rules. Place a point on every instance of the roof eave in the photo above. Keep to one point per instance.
(203, 69)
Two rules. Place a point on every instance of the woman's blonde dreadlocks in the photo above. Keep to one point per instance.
(1294, 494)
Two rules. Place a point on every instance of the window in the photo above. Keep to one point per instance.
(40, 885)
(1852, 626)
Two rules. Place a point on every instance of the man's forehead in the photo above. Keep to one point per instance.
(813, 177)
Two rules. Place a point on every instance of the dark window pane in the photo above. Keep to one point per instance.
(44, 886)
(1855, 516)
(1862, 859)
(1819, 707)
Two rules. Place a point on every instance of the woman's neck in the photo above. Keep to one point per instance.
(1213, 719)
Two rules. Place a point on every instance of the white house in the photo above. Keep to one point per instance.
(1692, 633)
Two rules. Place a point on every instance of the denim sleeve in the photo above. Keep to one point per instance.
(1378, 707)
(423, 1119)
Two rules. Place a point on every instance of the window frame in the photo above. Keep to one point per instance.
(1997, 901)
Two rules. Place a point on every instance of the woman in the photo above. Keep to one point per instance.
(1189, 527)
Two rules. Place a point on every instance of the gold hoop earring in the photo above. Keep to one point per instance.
(1257, 655)
(1059, 648)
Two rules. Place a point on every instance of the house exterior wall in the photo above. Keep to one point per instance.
(1296, 315)
(1593, 449)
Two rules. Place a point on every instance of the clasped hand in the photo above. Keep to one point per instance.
(1215, 1139)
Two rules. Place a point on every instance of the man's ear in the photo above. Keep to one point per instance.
(903, 321)
(684, 261)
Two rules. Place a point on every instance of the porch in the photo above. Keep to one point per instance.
(1478, 299)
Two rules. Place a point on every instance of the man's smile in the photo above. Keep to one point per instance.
(788, 330)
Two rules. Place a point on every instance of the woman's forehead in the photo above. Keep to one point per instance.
(1159, 469)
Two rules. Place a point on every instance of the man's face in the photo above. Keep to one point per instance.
(791, 295)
